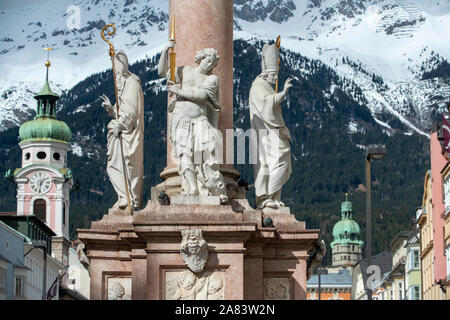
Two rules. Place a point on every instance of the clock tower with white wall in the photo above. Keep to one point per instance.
(44, 181)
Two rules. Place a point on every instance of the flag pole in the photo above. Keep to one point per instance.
(112, 55)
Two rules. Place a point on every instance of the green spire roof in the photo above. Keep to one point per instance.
(46, 91)
(347, 230)
(45, 127)
(346, 206)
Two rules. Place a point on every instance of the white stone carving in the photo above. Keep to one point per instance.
(128, 125)
(276, 289)
(119, 288)
(186, 285)
(273, 167)
(193, 119)
(194, 249)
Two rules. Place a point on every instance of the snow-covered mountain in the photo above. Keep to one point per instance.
(384, 46)
(79, 50)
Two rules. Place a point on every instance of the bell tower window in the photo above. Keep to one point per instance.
(41, 155)
(40, 209)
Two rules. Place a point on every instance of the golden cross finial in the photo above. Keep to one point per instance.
(47, 63)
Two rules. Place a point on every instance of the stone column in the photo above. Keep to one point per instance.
(203, 24)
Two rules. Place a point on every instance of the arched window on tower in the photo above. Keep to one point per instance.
(40, 209)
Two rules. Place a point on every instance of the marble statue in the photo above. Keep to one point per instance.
(186, 285)
(193, 120)
(194, 249)
(273, 165)
(117, 292)
(128, 125)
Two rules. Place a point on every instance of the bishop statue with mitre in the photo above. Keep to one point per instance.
(273, 164)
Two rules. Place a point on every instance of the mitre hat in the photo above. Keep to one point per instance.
(270, 58)
(121, 59)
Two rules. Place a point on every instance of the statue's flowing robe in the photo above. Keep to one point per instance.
(131, 118)
(195, 136)
(273, 163)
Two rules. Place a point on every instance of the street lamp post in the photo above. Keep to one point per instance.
(320, 271)
(374, 152)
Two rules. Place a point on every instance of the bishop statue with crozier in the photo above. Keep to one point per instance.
(127, 125)
(273, 164)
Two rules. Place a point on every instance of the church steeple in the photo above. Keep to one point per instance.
(45, 126)
(346, 246)
(46, 99)
(44, 180)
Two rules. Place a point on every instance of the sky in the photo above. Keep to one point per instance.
(8, 4)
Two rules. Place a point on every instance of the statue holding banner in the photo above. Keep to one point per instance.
(128, 126)
(273, 166)
(193, 119)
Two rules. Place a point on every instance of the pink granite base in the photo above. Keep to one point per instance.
(257, 262)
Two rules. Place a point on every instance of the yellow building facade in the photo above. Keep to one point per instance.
(446, 215)
(430, 290)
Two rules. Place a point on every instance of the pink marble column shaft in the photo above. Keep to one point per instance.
(203, 24)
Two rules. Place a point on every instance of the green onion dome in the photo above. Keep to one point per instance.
(45, 126)
(347, 230)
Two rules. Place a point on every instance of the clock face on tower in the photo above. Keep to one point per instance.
(40, 182)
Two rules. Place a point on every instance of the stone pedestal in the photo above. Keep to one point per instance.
(246, 260)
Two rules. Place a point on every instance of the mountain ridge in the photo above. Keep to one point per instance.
(385, 65)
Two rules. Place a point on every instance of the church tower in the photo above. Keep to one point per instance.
(346, 246)
(44, 181)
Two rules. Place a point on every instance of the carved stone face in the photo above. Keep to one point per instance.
(194, 250)
(272, 77)
(207, 64)
(193, 244)
(188, 280)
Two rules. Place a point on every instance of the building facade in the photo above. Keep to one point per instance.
(413, 276)
(35, 275)
(446, 216)
(23, 276)
(374, 278)
(398, 272)
(13, 271)
(44, 181)
(430, 289)
(438, 162)
(335, 285)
